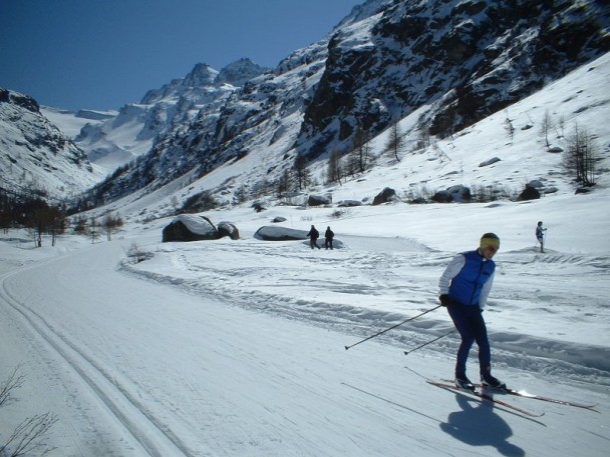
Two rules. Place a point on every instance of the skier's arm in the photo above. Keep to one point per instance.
(485, 291)
(452, 270)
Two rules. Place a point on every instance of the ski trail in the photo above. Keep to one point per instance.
(154, 438)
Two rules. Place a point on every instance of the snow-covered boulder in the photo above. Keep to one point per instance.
(319, 200)
(529, 193)
(277, 233)
(385, 196)
(228, 229)
(489, 162)
(190, 227)
(458, 193)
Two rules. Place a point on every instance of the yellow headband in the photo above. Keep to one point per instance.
(486, 242)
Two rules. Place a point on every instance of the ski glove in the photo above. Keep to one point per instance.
(445, 300)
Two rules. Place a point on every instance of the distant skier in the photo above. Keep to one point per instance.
(540, 235)
(313, 237)
(328, 238)
(464, 288)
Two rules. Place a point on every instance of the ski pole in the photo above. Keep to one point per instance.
(394, 326)
(429, 342)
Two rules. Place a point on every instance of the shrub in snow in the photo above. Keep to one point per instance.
(258, 207)
(137, 255)
(348, 203)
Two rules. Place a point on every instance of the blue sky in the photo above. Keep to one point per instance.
(102, 54)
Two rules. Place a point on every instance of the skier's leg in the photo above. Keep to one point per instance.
(480, 335)
(459, 315)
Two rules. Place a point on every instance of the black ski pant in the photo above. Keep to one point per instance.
(469, 322)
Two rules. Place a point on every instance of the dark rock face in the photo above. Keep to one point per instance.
(529, 193)
(31, 145)
(228, 229)
(19, 100)
(462, 59)
(457, 194)
(318, 200)
(467, 58)
(385, 196)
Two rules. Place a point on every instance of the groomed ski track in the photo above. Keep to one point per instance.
(159, 367)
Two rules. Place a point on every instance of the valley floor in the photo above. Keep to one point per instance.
(238, 348)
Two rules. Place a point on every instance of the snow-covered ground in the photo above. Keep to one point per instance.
(237, 348)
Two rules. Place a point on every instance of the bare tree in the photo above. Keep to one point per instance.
(301, 173)
(361, 151)
(110, 224)
(13, 382)
(395, 142)
(546, 125)
(284, 182)
(93, 232)
(335, 171)
(562, 125)
(423, 133)
(580, 156)
(509, 127)
(175, 203)
(28, 438)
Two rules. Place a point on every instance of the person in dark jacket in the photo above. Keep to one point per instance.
(313, 237)
(328, 238)
(464, 288)
(540, 235)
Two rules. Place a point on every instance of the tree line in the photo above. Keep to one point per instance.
(32, 211)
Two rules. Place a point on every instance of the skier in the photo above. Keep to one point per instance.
(540, 235)
(313, 237)
(328, 238)
(464, 288)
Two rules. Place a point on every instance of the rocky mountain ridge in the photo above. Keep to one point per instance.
(132, 132)
(36, 157)
(453, 62)
(456, 61)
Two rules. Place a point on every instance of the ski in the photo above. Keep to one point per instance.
(483, 396)
(524, 394)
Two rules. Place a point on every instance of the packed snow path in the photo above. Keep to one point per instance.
(145, 368)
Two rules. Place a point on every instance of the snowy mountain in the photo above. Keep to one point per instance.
(132, 132)
(496, 158)
(453, 62)
(35, 156)
(237, 347)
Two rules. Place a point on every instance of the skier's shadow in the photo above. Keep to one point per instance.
(480, 426)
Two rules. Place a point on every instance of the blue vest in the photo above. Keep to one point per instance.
(466, 286)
